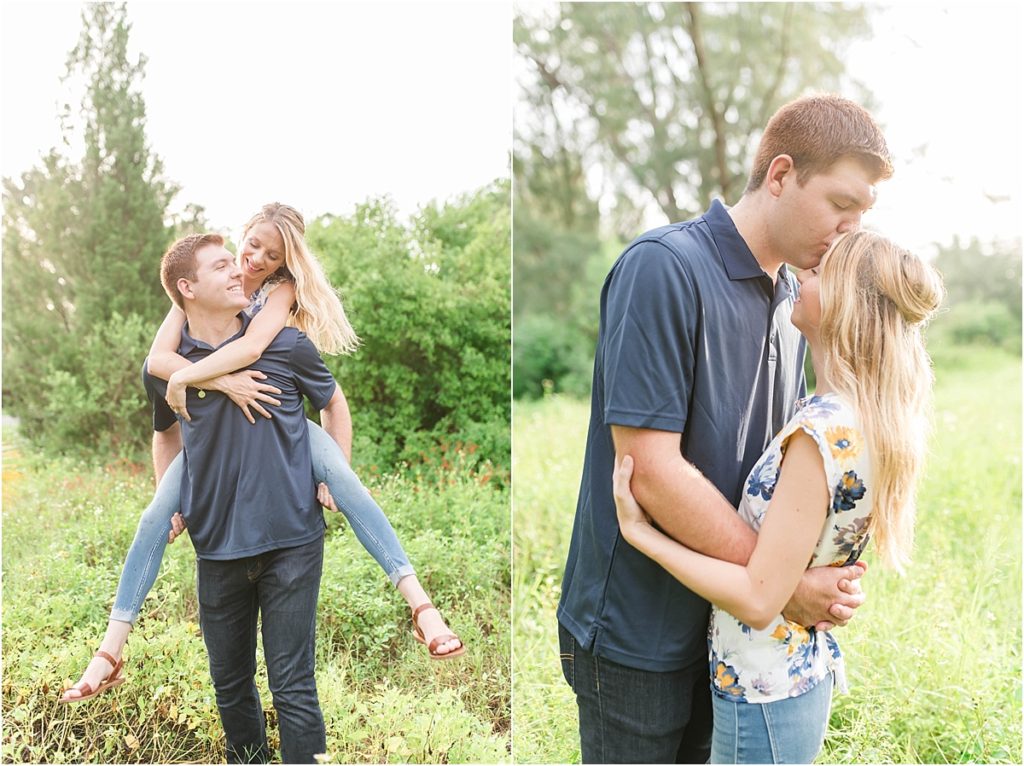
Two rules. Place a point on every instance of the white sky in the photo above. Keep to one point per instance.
(319, 105)
(323, 105)
(950, 76)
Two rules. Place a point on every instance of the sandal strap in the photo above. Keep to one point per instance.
(441, 640)
(421, 608)
(83, 688)
(115, 665)
(108, 657)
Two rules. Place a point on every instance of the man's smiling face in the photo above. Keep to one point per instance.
(218, 282)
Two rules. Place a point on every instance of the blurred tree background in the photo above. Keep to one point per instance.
(83, 236)
(626, 109)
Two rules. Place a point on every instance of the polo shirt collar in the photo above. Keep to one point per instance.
(188, 343)
(739, 262)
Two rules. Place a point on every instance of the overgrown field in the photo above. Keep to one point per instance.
(66, 528)
(933, 658)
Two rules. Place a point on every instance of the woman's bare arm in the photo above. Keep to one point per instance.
(242, 352)
(164, 359)
(757, 592)
(236, 355)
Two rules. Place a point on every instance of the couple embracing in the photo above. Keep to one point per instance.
(246, 485)
(699, 408)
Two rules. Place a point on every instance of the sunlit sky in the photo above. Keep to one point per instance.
(320, 105)
(950, 83)
(323, 105)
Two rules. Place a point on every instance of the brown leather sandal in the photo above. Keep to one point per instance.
(114, 678)
(431, 648)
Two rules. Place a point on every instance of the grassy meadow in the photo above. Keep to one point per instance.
(933, 658)
(66, 528)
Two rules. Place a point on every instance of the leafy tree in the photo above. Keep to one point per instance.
(556, 229)
(985, 273)
(677, 93)
(82, 243)
(430, 302)
(556, 236)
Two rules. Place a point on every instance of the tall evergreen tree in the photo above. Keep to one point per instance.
(82, 244)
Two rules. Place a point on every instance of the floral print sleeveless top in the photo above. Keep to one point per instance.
(786, 659)
(259, 298)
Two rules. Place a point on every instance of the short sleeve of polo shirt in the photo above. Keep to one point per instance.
(648, 355)
(156, 389)
(314, 380)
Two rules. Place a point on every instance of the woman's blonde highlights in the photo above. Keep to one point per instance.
(876, 298)
(318, 309)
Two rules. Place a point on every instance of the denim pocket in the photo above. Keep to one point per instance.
(567, 654)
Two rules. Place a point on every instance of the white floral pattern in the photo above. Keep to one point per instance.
(786, 659)
(259, 298)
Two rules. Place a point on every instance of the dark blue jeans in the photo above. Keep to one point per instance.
(637, 716)
(283, 585)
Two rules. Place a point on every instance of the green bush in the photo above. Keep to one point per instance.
(431, 304)
(90, 399)
(430, 300)
(550, 356)
(974, 323)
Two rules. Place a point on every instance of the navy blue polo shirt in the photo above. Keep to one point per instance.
(248, 488)
(695, 339)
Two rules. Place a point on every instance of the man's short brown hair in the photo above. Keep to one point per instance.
(179, 262)
(817, 131)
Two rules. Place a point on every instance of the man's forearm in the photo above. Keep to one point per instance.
(690, 509)
(684, 504)
(336, 420)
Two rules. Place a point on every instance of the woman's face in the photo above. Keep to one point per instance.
(262, 252)
(807, 306)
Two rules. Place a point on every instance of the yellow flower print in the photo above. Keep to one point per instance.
(727, 680)
(791, 634)
(844, 442)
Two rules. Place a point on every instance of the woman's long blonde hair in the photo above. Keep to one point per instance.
(876, 299)
(318, 310)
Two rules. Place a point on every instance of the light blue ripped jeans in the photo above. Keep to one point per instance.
(368, 522)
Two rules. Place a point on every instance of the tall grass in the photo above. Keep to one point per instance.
(66, 528)
(933, 658)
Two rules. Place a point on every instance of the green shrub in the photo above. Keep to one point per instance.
(550, 355)
(91, 400)
(974, 323)
(431, 304)
(430, 300)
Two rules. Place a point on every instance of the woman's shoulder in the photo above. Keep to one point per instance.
(831, 421)
(820, 411)
(272, 283)
(259, 298)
